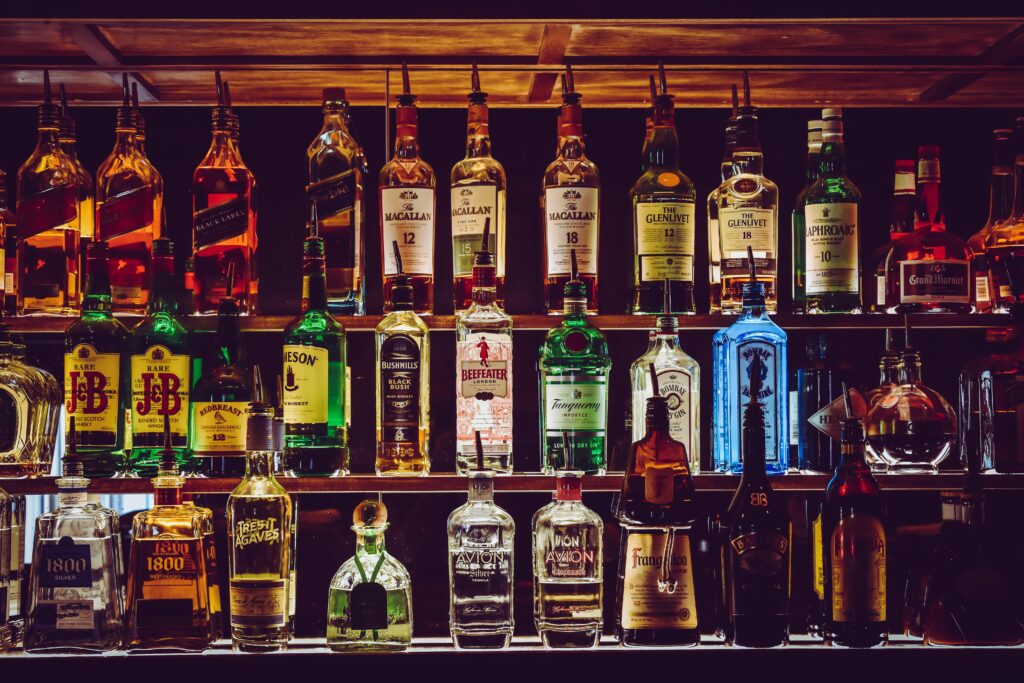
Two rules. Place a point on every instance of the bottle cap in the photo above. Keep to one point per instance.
(569, 486)
(667, 323)
(405, 98)
(753, 291)
(259, 434)
(476, 95)
(575, 290)
(333, 95)
(928, 152)
(905, 166)
(831, 113)
(401, 289)
(370, 514)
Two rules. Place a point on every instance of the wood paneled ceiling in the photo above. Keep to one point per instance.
(792, 62)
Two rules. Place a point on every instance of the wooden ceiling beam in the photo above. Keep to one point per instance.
(1002, 51)
(103, 54)
(553, 44)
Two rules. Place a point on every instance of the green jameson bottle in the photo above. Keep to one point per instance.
(96, 373)
(316, 437)
(574, 367)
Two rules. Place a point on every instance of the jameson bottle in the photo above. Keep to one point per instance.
(813, 172)
(664, 204)
(316, 434)
(96, 373)
(160, 371)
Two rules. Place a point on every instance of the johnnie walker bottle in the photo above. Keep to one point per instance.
(86, 194)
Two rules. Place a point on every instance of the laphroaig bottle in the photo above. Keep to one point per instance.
(812, 174)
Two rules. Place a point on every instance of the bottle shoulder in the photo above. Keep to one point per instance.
(833, 190)
(664, 184)
(479, 514)
(482, 170)
(560, 514)
(263, 487)
(578, 172)
(160, 327)
(406, 173)
(403, 322)
(479, 318)
(107, 332)
(316, 323)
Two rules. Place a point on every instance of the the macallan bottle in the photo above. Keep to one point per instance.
(86, 192)
(570, 207)
(408, 206)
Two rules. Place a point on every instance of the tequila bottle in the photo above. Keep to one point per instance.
(30, 412)
(568, 569)
(478, 195)
(96, 373)
(714, 242)
(9, 242)
(812, 174)
(86, 193)
(1000, 205)
(880, 294)
(369, 607)
(74, 589)
(402, 341)
(337, 179)
(574, 366)
(483, 384)
(1005, 240)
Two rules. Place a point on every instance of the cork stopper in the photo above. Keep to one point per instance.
(371, 514)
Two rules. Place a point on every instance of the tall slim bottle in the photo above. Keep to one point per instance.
(811, 175)
(86, 194)
(714, 243)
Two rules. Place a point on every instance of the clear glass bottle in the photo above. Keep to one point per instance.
(811, 175)
(86, 194)
(1006, 239)
(714, 243)
(30, 407)
(5, 571)
(987, 410)
(1000, 206)
(369, 607)
(881, 294)
(889, 371)
(17, 505)
(568, 569)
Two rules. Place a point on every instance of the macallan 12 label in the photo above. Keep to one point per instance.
(407, 217)
(483, 400)
(571, 223)
(160, 385)
(91, 388)
(305, 384)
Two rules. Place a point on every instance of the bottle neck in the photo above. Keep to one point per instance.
(478, 136)
(813, 170)
(663, 150)
(481, 487)
(49, 139)
(832, 163)
(168, 494)
(889, 371)
(911, 368)
(162, 298)
(852, 455)
(748, 161)
(406, 133)
(1001, 195)
(228, 338)
(571, 147)
(124, 141)
(656, 419)
(574, 308)
(97, 298)
(754, 468)
(314, 288)
(370, 542)
(259, 464)
(929, 206)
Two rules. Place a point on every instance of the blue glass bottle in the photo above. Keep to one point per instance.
(733, 349)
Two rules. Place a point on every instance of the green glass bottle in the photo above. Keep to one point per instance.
(161, 369)
(574, 366)
(316, 436)
(96, 384)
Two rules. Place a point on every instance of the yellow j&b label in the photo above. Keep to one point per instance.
(219, 427)
(305, 384)
(91, 388)
(160, 383)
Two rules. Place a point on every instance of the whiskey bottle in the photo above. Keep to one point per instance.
(483, 385)
(96, 373)
(714, 241)
(407, 208)
(69, 143)
(337, 180)
(160, 371)
(223, 217)
(316, 435)
(478, 195)
(889, 372)
(74, 589)
(759, 537)
(369, 607)
(48, 221)
(568, 569)
(9, 242)
(574, 367)
(1004, 242)
(129, 204)
(1000, 205)
(812, 173)
(664, 204)
(748, 216)
(570, 207)
(880, 294)
(260, 530)
(402, 341)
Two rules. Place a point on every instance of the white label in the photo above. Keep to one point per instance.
(829, 419)
(471, 206)
(741, 228)
(408, 218)
(676, 385)
(768, 395)
(794, 419)
(571, 220)
(880, 284)
(904, 183)
(73, 616)
(831, 252)
(575, 403)
(981, 290)
(72, 498)
(664, 240)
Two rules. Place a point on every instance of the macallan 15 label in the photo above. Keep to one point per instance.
(571, 223)
(305, 384)
(664, 240)
(407, 217)
(91, 387)
(160, 385)
(221, 222)
(857, 556)
(768, 395)
(935, 281)
(471, 206)
(831, 249)
(219, 427)
(657, 590)
(575, 403)
(125, 212)
(399, 387)
(483, 401)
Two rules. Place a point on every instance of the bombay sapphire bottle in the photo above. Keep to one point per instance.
(734, 348)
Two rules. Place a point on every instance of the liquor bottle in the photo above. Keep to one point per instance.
(714, 242)
(220, 399)
(69, 143)
(1000, 205)
(96, 373)
(664, 205)
(9, 242)
(987, 414)
(679, 381)
(830, 258)
(5, 570)
(403, 382)
(74, 590)
(758, 553)
(570, 206)
(17, 505)
(854, 549)
(574, 367)
(478, 195)
(32, 410)
(879, 293)
(734, 349)
(316, 435)
(812, 173)
(369, 607)
(930, 268)
(483, 384)
(160, 371)
(480, 564)
(48, 221)
(337, 181)
(129, 202)
(407, 208)
(568, 570)
(167, 604)
(1005, 240)
(656, 596)
(748, 216)
(889, 372)
(260, 530)
(223, 217)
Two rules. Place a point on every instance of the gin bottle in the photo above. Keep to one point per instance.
(483, 384)
(369, 607)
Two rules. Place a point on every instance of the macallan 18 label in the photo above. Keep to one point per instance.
(768, 395)
(91, 388)
(664, 240)
(219, 427)
(831, 249)
(160, 384)
(407, 217)
(483, 400)
(657, 590)
(471, 206)
(305, 384)
(935, 281)
(571, 223)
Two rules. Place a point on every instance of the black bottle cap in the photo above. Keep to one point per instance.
(569, 94)
(168, 456)
(476, 95)
(483, 257)
(853, 427)
(667, 322)
(279, 416)
(229, 303)
(575, 288)
(753, 291)
(49, 114)
(406, 99)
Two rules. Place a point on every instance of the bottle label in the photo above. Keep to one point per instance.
(71, 498)
(219, 427)
(981, 288)
(126, 212)
(659, 483)
(399, 384)
(171, 563)
(51, 208)
(817, 558)
(829, 420)
(471, 206)
(408, 218)
(368, 607)
(572, 553)
(63, 615)
(479, 573)
(657, 584)
(65, 564)
(768, 396)
(880, 286)
(292, 591)
(740, 228)
(483, 400)
(575, 403)
(676, 384)
(259, 603)
(170, 569)
(664, 240)
(794, 418)
(305, 384)
(927, 170)
(831, 248)
(571, 223)
(221, 222)
(160, 384)
(935, 281)
(91, 386)
(333, 195)
(857, 556)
